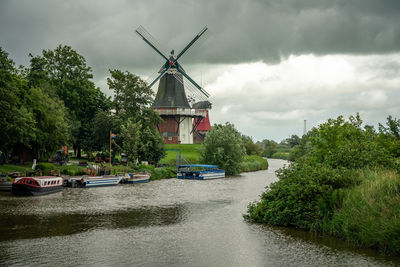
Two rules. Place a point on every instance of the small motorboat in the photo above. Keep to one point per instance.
(35, 186)
(135, 178)
(199, 172)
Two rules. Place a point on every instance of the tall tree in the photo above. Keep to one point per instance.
(17, 122)
(68, 73)
(132, 100)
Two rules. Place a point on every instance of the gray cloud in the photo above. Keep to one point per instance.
(240, 31)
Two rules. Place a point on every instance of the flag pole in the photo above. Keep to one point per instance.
(110, 152)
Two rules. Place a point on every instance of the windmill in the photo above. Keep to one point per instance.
(171, 102)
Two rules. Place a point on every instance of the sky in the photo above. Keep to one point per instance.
(268, 65)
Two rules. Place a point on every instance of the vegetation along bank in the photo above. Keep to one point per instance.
(344, 181)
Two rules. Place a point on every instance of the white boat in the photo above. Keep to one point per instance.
(92, 181)
(34, 186)
(135, 178)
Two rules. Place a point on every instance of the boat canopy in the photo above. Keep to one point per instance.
(199, 165)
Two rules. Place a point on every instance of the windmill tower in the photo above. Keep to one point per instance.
(171, 102)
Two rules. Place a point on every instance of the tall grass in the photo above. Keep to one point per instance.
(253, 163)
(370, 212)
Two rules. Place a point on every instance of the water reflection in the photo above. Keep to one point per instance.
(36, 226)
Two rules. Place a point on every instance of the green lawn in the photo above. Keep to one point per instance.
(6, 168)
(190, 152)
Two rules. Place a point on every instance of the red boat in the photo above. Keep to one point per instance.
(35, 186)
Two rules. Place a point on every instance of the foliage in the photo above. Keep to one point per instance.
(302, 197)
(389, 136)
(292, 141)
(281, 155)
(318, 190)
(223, 147)
(269, 147)
(158, 173)
(369, 214)
(151, 145)
(67, 72)
(131, 135)
(250, 146)
(132, 99)
(17, 122)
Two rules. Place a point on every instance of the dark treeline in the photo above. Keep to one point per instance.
(54, 102)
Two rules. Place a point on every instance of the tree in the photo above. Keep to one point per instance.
(17, 122)
(292, 141)
(389, 135)
(151, 145)
(270, 147)
(250, 146)
(131, 137)
(132, 100)
(132, 96)
(52, 125)
(223, 146)
(67, 72)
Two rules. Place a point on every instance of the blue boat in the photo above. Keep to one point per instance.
(199, 172)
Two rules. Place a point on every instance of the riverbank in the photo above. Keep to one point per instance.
(343, 182)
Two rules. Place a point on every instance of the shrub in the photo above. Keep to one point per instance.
(223, 147)
(302, 197)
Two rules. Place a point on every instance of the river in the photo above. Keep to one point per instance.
(163, 223)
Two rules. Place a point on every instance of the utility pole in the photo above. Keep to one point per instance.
(305, 127)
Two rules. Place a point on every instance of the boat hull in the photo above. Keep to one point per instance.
(137, 181)
(27, 190)
(103, 181)
(5, 186)
(201, 175)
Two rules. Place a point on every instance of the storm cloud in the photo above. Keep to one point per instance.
(259, 37)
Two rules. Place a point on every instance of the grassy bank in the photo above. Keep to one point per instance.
(370, 212)
(190, 152)
(253, 163)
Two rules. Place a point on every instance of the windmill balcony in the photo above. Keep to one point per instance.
(187, 112)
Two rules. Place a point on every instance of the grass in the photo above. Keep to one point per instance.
(190, 152)
(6, 168)
(254, 163)
(370, 212)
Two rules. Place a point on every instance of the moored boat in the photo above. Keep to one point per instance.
(135, 178)
(5, 184)
(92, 181)
(35, 186)
(199, 172)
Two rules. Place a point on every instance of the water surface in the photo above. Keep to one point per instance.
(163, 223)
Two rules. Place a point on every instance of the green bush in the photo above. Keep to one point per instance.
(45, 167)
(223, 147)
(303, 195)
(326, 189)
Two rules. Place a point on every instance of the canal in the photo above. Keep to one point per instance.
(163, 223)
